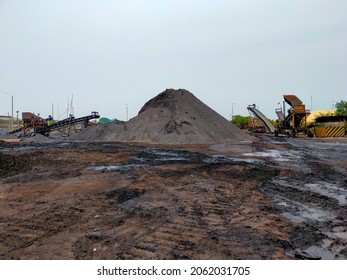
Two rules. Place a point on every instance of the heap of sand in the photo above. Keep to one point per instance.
(173, 116)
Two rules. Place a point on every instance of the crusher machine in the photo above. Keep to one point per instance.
(31, 123)
(294, 121)
(35, 124)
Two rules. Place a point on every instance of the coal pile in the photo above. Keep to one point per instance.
(173, 116)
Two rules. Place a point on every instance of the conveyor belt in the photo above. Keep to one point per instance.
(60, 124)
(262, 118)
(15, 131)
(69, 121)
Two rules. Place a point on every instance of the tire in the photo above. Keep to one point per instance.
(310, 134)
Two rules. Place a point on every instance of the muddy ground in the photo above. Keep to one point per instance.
(277, 198)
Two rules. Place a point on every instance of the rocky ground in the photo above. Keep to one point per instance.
(277, 198)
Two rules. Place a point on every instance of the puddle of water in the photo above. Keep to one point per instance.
(235, 147)
(162, 153)
(328, 249)
(142, 161)
(113, 167)
(171, 159)
(339, 232)
(284, 204)
(299, 212)
(138, 159)
(336, 238)
(323, 188)
(64, 144)
(304, 215)
(329, 190)
(277, 155)
(221, 159)
(321, 251)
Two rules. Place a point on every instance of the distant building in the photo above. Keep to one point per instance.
(311, 118)
(5, 118)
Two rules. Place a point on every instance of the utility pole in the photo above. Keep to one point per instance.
(11, 112)
(11, 122)
(232, 111)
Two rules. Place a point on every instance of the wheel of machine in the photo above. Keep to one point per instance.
(310, 133)
(293, 133)
(276, 133)
(290, 133)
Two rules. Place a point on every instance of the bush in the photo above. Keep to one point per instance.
(240, 121)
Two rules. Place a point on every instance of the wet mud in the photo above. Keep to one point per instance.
(272, 199)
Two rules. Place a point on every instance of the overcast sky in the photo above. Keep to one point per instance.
(109, 53)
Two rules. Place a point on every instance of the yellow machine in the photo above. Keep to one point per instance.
(293, 121)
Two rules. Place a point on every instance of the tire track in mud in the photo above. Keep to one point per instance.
(200, 212)
(181, 237)
(171, 204)
(314, 199)
(26, 234)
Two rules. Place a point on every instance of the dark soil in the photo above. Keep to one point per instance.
(223, 201)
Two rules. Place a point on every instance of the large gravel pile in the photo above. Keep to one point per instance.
(173, 116)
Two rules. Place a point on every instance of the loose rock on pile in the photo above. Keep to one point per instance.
(173, 116)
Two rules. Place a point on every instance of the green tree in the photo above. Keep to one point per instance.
(240, 121)
(341, 108)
